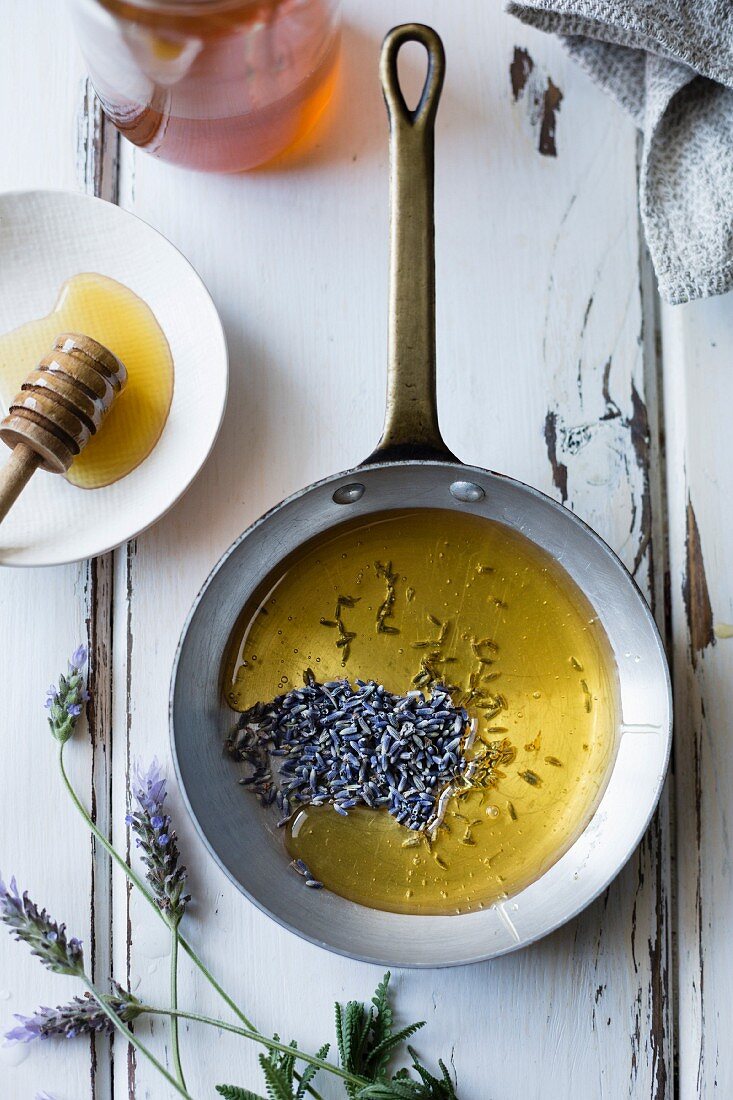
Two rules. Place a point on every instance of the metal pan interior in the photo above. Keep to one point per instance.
(241, 838)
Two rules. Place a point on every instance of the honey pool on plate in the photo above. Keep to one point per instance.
(111, 313)
(413, 597)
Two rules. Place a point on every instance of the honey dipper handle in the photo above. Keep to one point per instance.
(15, 475)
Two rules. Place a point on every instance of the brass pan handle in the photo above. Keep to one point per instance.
(411, 423)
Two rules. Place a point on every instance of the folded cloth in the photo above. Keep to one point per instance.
(669, 63)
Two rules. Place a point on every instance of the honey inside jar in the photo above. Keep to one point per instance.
(481, 609)
(223, 85)
(111, 313)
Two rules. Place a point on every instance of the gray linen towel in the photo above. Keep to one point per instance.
(669, 63)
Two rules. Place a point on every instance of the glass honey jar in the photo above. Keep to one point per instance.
(219, 85)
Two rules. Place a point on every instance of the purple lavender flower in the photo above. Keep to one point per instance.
(81, 1016)
(158, 841)
(46, 939)
(78, 658)
(64, 702)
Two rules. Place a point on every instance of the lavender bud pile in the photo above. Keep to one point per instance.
(355, 746)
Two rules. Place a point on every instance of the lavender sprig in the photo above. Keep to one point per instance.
(158, 842)
(46, 939)
(64, 700)
(81, 1016)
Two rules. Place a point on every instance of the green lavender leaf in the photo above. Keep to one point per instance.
(396, 1089)
(279, 1071)
(310, 1072)
(404, 1088)
(277, 1080)
(353, 1024)
(379, 1057)
(436, 1088)
(367, 1043)
(341, 1035)
(380, 1000)
(233, 1092)
(360, 1020)
(447, 1079)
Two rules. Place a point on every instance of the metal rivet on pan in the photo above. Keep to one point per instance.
(349, 494)
(467, 491)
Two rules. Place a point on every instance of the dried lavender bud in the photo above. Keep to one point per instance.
(352, 746)
(81, 1016)
(158, 842)
(46, 939)
(64, 701)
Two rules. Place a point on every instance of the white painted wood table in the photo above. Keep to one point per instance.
(557, 365)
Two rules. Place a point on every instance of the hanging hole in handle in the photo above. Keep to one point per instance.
(412, 73)
(395, 40)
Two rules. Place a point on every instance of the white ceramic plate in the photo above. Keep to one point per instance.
(45, 238)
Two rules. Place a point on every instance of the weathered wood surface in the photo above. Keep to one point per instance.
(51, 136)
(547, 370)
(698, 397)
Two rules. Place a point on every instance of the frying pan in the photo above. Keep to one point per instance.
(412, 468)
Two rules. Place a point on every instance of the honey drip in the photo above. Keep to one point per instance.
(486, 611)
(113, 315)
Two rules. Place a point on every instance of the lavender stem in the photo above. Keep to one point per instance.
(132, 1038)
(257, 1037)
(135, 879)
(138, 882)
(175, 1044)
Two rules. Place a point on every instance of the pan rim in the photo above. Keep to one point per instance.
(654, 789)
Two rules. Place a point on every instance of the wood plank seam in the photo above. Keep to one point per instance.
(662, 831)
(130, 552)
(97, 169)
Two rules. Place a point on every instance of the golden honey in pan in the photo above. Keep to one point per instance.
(111, 313)
(480, 608)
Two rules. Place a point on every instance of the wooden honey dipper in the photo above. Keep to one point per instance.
(61, 405)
